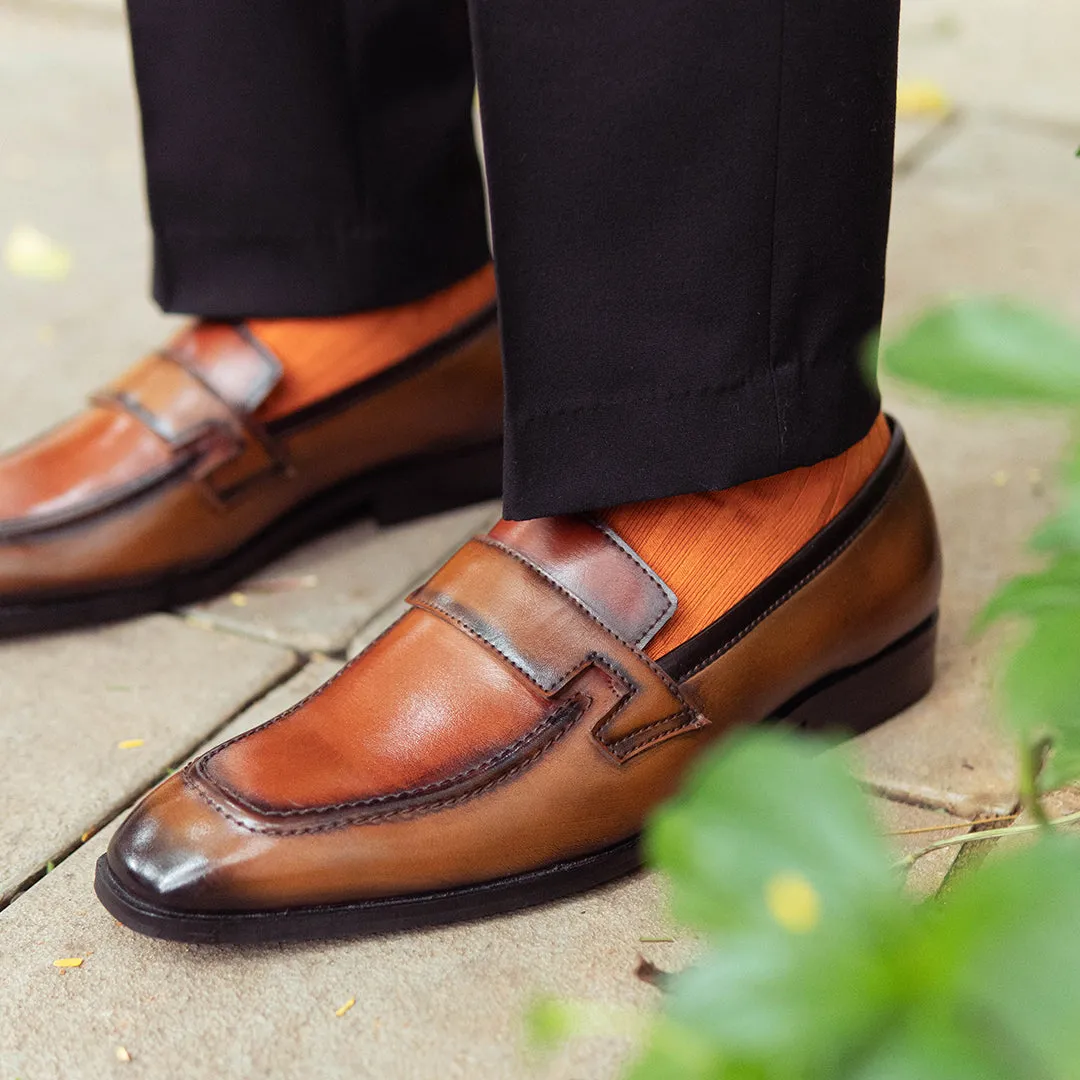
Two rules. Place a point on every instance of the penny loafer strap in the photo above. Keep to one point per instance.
(198, 407)
(511, 606)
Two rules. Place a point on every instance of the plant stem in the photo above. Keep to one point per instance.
(1031, 763)
(988, 834)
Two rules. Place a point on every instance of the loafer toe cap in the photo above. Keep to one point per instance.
(173, 851)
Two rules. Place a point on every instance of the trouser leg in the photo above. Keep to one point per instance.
(689, 206)
(307, 158)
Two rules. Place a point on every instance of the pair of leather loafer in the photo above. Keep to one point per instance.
(502, 743)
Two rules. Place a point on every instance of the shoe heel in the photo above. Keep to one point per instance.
(858, 698)
(440, 482)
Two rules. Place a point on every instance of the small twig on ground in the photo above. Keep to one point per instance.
(958, 825)
(989, 834)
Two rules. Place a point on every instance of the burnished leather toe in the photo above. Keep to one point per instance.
(167, 850)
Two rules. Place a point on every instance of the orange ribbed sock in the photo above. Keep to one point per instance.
(322, 356)
(713, 548)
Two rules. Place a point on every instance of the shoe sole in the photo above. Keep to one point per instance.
(390, 495)
(853, 701)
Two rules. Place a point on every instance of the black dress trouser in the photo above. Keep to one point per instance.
(689, 204)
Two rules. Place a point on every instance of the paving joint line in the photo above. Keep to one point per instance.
(931, 142)
(215, 624)
(1042, 125)
(961, 806)
(115, 812)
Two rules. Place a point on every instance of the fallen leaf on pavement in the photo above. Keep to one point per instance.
(29, 253)
(649, 973)
(919, 97)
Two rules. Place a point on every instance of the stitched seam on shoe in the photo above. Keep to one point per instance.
(592, 657)
(809, 576)
(542, 573)
(377, 818)
(646, 728)
(558, 716)
(693, 724)
(658, 671)
(273, 368)
(694, 719)
(626, 747)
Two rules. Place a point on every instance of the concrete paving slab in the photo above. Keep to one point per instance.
(318, 598)
(994, 209)
(1010, 56)
(440, 1003)
(70, 168)
(912, 828)
(990, 211)
(989, 477)
(445, 1002)
(69, 701)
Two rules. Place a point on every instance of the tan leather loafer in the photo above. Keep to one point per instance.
(504, 741)
(168, 490)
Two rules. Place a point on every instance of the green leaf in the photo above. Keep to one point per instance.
(1040, 690)
(796, 1001)
(676, 1052)
(923, 1047)
(550, 1022)
(984, 987)
(1058, 586)
(989, 350)
(1010, 935)
(766, 810)
(1062, 531)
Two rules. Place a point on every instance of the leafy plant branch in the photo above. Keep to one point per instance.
(816, 965)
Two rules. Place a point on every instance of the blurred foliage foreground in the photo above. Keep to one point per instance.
(816, 965)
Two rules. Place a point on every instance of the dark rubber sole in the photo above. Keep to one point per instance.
(861, 697)
(852, 700)
(365, 918)
(390, 495)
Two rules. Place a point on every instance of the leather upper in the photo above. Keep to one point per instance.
(511, 718)
(170, 468)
